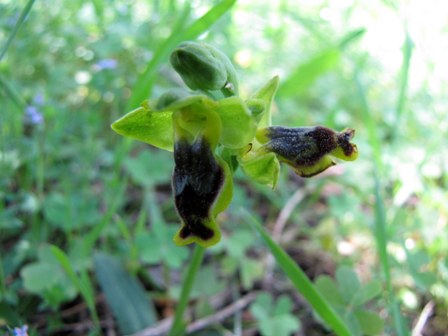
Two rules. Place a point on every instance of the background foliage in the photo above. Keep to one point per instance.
(87, 218)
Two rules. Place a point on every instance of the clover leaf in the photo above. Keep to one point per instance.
(348, 296)
(274, 318)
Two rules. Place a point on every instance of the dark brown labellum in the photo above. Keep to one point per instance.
(197, 181)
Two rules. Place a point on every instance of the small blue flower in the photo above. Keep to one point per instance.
(33, 115)
(39, 99)
(107, 63)
(21, 331)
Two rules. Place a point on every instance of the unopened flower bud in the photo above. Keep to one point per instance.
(203, 67)
(170, 97)
(308, 149)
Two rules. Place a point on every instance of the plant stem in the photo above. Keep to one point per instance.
(22, 17)
(196, 260)
(2, 280)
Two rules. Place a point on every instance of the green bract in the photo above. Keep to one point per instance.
(213, 131)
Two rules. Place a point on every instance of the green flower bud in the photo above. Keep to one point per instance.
(203, 67)
(309, 150)
(170, 97)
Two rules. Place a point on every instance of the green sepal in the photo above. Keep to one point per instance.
(230, 157)
(155, 126)
(264, 168)
(238, 126)
(146, 125)
(256, 108)
(266, 96)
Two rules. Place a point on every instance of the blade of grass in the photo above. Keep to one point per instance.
(81, 283)
(12, 93)
(118, 189)
(309, 71)
(124, 293)
(380, 229)
(19, 22)
(178, 324)
(301, 282)
(406, 63)
(143, 87)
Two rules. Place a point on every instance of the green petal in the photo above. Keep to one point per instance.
(199, 116)
(238, 126)
(266, 95)
(146, 125)
(226, 193)
(263, 168)
(180, 103)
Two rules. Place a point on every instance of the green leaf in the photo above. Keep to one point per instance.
(274, 319)
(352, 37)
(328, 288)
(348, 282)
(238, 126)
(208, 283)
(238, 243)
(370, 323)
(33, 278)
(124, 294)
(144, 84)
(150, 167)
(9, 315)
(81, 283)
(265, 95)
(302, 283)
(367, 292)
(55, 289)
(144, 124)
(72, 211)
(251, 270)
(283, 305)
(261, 305)
(308, 72)
(263, 169)
(418, 261)
(154, 248)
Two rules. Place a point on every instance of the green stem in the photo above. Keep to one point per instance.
(178, 323)
(2, 280)
(22, 18)
(12, 93)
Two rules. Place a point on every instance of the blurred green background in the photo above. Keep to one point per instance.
(87, 217)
